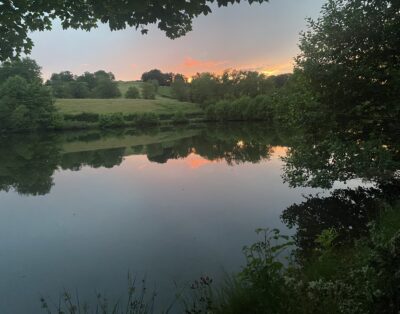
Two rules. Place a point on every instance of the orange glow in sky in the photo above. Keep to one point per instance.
(191, 66)
(262, 38)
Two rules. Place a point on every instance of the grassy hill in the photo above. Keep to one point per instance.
(163, 104)
(126, 106)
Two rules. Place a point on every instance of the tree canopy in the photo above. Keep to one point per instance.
(163, 79)
(350, 59)
(25, 104)
(100, 84)
(19, 18)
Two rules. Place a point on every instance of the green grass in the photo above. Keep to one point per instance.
(165, 91)
(125, 106)
(124, 86)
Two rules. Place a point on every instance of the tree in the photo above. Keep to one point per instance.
(24, 105)
(106, 88)
(149, 91)
(60, 84)
(100, 84)
(25, 68)
(78, 89)
(350, 58)
(132, 92)
(180, 88)
(163, 79)
(204, 88)
(88, 78)
(18, 19)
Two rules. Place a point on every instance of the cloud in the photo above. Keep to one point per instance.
(190, 62)
(190, 66)
(271, 69)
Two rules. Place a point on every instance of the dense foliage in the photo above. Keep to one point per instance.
(25, 104)
(132, 93)
(149, 90)
(207, 88)
(19, 18)
(350, 59)
(180, 88)
(88, 85)
(163, 79)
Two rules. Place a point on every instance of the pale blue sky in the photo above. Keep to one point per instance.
(262, 37)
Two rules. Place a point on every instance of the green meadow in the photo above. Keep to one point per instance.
(160, 105)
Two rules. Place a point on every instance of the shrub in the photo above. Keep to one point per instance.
(131, 117)
(78, 89)
(147, 119)
(148, 91)
(132, 93)
(180, 88)
(180, 118)
(106, 89)
(84, 116)
(24, 105)
(113, 120)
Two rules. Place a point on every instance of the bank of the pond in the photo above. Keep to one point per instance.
(359, 276)
(118, 113)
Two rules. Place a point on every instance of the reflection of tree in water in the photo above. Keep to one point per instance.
(27, 163)
(107, 158)
(321, 157)
(162, 152)
(234, 143)
(320, 160)
(346, 211)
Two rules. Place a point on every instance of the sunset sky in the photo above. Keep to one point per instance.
(257, 37)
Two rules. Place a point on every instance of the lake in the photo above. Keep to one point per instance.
(80, 210)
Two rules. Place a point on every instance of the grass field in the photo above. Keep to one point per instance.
(125, 106)
(162, 105)
(123, 86)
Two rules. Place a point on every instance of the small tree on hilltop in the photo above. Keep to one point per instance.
(149, 91)
(132, 93)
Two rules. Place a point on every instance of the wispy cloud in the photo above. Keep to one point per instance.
(270, 69)
(190, 62)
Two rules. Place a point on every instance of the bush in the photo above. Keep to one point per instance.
(180, 118)
(180, 89)
(106, 89)
(260, 108)
(84, 116)
(149, 90)
(132, 93)
(78, 90)
(147, 119)
(24, 105)
(113, 120)
(131, 117)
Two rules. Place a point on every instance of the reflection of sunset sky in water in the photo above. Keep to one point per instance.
(194, 161)
(171, 221)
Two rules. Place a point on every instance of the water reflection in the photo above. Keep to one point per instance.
(346, 211)
(125, 200)
(28, 163)
(322, 157)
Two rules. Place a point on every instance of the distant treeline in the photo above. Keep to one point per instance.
(207, 88)
(100, 84)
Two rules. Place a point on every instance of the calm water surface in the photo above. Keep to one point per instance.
(80, 210)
